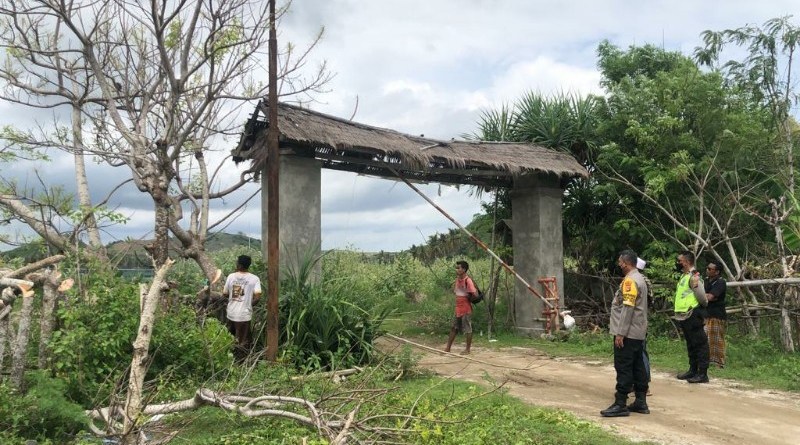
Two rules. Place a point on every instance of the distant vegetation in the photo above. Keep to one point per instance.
(130, 253)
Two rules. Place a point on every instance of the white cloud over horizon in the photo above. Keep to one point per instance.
(431, 67)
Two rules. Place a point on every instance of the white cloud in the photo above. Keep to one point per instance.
(430, 67)
(544, 75)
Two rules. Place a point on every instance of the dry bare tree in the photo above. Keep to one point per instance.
(152, 87)
(714, 225)
(155, 86)
(766, 74)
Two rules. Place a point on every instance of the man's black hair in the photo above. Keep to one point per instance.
(244, 261)
(689, 256)
(464, 265)
(629, 257)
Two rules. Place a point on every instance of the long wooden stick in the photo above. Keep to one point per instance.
(474, 238)
(450, 354)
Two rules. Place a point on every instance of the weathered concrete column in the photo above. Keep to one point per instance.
(538, 246)
(300, 202)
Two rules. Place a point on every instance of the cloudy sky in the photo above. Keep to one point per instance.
(430, 67)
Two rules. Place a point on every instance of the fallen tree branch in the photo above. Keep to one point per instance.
(768, 281)
(332, 374)
(266, 405)
(32, 267)
(24, 285)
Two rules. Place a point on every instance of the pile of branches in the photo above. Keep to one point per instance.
(342, 415)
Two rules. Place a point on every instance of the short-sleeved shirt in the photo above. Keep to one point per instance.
(716, 308)
(629, 307)
(240, 287)
(462, 289)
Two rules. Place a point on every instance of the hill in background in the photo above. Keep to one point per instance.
(130, 254)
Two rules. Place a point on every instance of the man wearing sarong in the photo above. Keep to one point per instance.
(716, 318)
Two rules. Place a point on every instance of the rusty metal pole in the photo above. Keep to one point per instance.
(273, 171)
(474, 238)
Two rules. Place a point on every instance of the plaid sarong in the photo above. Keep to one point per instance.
(715, 329)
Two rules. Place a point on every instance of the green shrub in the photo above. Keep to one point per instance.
(184, 348)
(93, 347)
(42, 413)
(321, 327)
(94, 344)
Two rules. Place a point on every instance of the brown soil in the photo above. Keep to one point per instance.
(720, 412)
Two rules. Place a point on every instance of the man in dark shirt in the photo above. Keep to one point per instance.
(716, 319)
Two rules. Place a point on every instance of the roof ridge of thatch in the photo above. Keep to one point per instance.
(482, 142)
(358, 124)
(367, 149)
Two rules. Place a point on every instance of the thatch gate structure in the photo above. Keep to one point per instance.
(311, 141)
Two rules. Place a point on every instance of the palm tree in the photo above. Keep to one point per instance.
(562, 121)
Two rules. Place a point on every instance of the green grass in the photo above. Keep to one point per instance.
(454, 412)
(208, 426)
(753, 361)
(757, 362)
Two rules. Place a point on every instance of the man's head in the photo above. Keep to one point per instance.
(685, 261)
(627, 261)
(461, 267)
(712, 270)
(243, 262)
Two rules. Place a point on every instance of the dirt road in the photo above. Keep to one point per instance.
(721, 412)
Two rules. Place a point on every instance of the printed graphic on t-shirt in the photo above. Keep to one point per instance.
(237, 292)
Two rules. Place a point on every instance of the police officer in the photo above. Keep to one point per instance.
(690, 299)
(628, 325)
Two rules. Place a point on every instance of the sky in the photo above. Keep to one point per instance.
(430, 67)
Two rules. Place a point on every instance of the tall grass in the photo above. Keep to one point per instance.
(323, 326)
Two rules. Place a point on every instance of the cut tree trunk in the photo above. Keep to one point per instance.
(4, 333)
(46, 319)
(20, 346)
(140, 360)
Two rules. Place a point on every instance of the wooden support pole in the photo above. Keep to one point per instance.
(273, 171)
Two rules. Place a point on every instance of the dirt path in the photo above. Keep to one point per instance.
(721, 412)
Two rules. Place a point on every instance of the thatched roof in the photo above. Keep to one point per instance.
(345, 145)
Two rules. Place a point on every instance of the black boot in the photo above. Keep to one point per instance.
(700, 377)
(687, 375)
(640, 404)
(618, 408)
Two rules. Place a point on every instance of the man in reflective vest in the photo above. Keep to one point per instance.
(628, 325)
(690, 299)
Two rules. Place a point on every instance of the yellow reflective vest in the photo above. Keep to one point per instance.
(685, 299)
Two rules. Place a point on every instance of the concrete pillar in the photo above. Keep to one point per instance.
(538, 246)
(299, 201)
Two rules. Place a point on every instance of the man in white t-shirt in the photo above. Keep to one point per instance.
(243, 289)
